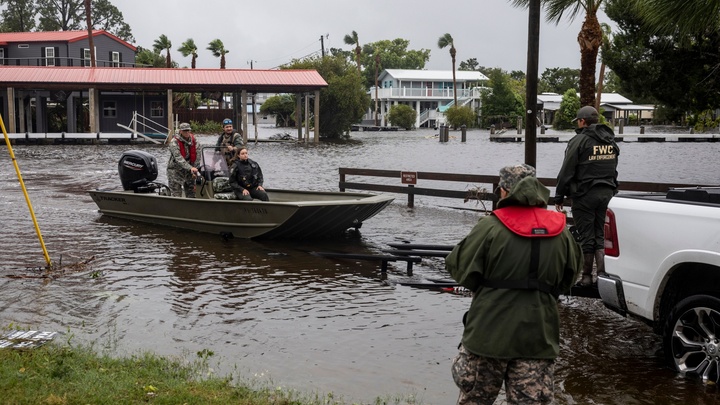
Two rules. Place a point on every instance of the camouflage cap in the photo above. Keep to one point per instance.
(511, 175)
(184, 126)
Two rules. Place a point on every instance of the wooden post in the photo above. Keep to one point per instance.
(307, 118)
(621, 125)
(519, 125)
(93, 113)
(317, 116)
(169, 110)
(298, 115)
(243, 114)
(11, 108)
(463, 129)
(411, 196)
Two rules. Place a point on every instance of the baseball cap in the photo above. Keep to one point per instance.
(227, 121)
(511, 175)
(585, 113)
(184, 126)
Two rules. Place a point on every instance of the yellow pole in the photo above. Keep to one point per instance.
(27, 198)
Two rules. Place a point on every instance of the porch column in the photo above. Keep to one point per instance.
(40, 114)
(317, 116)
(70, 113)
(23, 117)
(243, 113)
(170, 113)
(10, 109)
(93, 116)
(298, 115)
(417, 111)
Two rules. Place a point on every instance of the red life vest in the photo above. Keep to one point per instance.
(534, 223)
(531, 222)
(192, 155)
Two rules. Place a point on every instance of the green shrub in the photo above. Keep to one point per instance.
(458, 116)
(402, 116)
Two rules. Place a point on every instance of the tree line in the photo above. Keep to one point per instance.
(663, 52)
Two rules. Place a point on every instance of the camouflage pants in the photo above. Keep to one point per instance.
(179, 179)
(527, 381)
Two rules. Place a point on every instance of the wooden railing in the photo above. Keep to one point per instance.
(482, 195)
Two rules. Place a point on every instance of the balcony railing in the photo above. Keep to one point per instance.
(424, 93)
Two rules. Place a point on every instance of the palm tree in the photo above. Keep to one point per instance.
(189, 48)
(164, 44)
(218, 50)
(352, 39)
(601, 77)
(589, 38)
(681, 16)
(444, 41)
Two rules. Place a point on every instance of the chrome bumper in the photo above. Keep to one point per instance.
(611, 292)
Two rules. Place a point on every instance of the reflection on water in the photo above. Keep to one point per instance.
(310, 322)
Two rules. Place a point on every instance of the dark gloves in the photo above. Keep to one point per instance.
(558, 200)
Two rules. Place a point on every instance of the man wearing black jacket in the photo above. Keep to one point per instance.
(589, 177)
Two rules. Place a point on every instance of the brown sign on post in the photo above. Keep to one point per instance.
(408, 177)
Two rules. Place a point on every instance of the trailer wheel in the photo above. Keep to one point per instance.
(692, 337)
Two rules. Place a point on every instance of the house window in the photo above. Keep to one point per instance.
(156, 109)
(110, 109)
(115, 59)
(86, 57)
(2, 56)
(49, 56)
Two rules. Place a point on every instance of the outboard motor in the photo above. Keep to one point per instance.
(137, 170)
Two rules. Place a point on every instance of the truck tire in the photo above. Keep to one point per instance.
(691, 337)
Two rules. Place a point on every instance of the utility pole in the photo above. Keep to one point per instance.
(532, 83)
(377, 64)
(322, 44)
(91, 43)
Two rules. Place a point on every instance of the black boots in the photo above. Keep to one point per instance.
(587, 279)
(600, 262)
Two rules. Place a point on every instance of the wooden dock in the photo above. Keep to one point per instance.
(618, 138)
(365, 128)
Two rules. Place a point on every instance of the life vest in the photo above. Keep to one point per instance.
(190, 155)
(534, 223)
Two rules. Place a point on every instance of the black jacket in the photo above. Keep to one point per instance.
(591, 159)
(245, 174)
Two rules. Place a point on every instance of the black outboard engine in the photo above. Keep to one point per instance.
(137, 170)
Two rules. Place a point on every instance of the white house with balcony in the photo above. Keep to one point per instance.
(429, 92)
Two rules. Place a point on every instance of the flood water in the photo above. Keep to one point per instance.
(274, 314)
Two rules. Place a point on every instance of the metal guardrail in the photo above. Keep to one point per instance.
(411, 190)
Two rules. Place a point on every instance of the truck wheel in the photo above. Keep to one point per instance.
(692, 337)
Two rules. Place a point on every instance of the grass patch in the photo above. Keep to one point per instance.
(57, 374)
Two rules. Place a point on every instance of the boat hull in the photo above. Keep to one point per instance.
(288, 214)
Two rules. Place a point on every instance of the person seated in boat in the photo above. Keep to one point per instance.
(182, 167)
(246, 178)
(230, 141)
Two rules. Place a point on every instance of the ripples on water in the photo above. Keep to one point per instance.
(311, 323)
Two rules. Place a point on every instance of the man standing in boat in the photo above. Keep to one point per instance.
(246, 178)
(230, 141)
(182, 167)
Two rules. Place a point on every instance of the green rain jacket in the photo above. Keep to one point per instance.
(514, 323)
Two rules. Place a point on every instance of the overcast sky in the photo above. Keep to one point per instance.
(272, 32)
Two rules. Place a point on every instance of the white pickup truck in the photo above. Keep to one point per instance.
(662, 258)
